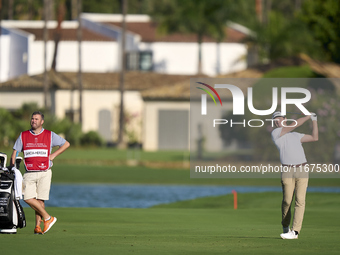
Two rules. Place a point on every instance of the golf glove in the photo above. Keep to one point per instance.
(313, 116)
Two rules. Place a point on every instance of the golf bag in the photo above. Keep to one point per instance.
(12, 215)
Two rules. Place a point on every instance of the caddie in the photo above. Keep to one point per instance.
(36, 145)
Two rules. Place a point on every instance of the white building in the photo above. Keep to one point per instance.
(22, 48)
(175, 53)
(160, 60)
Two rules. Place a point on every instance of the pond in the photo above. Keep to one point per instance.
(144, 196)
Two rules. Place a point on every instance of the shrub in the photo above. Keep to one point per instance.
(92, 138)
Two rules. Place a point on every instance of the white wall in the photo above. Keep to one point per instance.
(13, 53)
(14, 100)
(150, 121)
(97, 56)
(4, 57)
(182, 58)
(223, 58)
(173, 58)
(27, 55)
(94, 102)
(36, 56)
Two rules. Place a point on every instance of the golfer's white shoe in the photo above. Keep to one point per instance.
(290, 235)
(285, 230)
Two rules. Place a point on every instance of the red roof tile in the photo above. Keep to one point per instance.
(67, 34)
(148, 32)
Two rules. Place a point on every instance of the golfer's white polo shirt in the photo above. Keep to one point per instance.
(289, 146)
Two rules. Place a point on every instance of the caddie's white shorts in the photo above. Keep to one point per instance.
(37, 185)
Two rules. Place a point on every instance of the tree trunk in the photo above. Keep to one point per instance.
(51, 9)
(218, 58)
(268, 8)
(30, 9)
(74, 9)
(10, 9)
(57, 33)
(122, 78)
(46, 4)
(199, 41)
(298, 4)
(0, 34)
(80, 76)
(258, 8)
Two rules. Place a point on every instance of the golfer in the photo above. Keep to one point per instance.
(36, 145)
(292, 157)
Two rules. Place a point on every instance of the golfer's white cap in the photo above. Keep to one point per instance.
(277, 114)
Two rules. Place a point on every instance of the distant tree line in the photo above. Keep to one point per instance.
(281, 29)
(14, 122)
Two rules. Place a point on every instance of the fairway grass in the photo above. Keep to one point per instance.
(254, 228)
(64, 173)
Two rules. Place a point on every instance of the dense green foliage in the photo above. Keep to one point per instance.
(33, 9)
(283, 28)
(13, 123)
(323, 20)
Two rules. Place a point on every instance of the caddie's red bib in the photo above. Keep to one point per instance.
(36, 149)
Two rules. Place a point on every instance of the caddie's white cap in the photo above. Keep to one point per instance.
(277, 114)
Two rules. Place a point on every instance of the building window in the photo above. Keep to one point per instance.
(139, 60)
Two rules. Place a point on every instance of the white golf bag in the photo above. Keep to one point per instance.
(12, 215)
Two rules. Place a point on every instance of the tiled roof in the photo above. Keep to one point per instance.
(67, 34)
(181, 90)
(329, 70)
(93, 81)
(148, 32)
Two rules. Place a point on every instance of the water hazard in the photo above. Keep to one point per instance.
(144, 196)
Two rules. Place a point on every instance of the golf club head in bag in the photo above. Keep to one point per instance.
(3, 160)
(18, 160)
(12, 215)
(8, 213)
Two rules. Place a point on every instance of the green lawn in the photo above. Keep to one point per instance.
(291, 72)
(252, 229)
(115, 154)
(200, 226)
(108, 155)
(64, 173)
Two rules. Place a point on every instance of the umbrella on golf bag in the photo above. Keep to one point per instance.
(12, 215)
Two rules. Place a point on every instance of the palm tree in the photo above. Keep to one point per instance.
(122, 77)
(10, 9)
(0, 32)
(201, 17)
(57, 33)
(46, 4)
(80, 76)
(278, 36)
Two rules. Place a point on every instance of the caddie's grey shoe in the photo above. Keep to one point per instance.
(290, 235)
(285, 230)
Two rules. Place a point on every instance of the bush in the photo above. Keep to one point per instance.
(73, 133)
(13, 123)
(92, 138)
